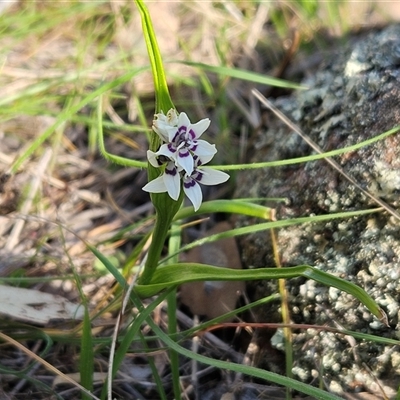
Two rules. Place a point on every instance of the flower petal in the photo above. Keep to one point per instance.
(184, 159)
(165, 125)
(199, 127)
(156, 185)
(209, 176)
(159, 127)
(168, 150)
(183, 120)
(193, 192)
(152, 157)
(204, 150)
(163, 130)
(172, 181)
(172, 117)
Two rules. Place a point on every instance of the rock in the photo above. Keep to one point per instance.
(213, 298)
(354, 96)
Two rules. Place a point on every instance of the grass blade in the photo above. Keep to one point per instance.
(251, 371)
(86, 361)
(244, 75)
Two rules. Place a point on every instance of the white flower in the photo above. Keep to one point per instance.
(170, 180)
(182, 139)
(183, 155)
(163, 124)
(205, 176)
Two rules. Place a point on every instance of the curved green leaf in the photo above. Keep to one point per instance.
(176, 274)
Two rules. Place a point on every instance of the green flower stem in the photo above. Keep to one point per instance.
(160, 232)
(166, 208)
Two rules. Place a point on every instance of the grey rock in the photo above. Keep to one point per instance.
(353, 96)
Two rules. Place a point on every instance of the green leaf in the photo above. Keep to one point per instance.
(245, 75)
(176, 274)
(273, 225)
(109, 265)
(243, 369)
(313, 157)
(163, 99)
(86, 360)
(226, 206)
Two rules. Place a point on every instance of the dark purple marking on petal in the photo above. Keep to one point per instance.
(177, 134)
(182, 130)
(179, 137)
(192, 134)
(197, 176)
(193, 146)
(183, 153)
(188, 183)
(171, 171)
(171, 148)
(197, 161)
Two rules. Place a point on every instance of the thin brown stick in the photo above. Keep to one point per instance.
(285, 312)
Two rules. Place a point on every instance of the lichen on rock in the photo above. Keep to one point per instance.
(354, 96)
